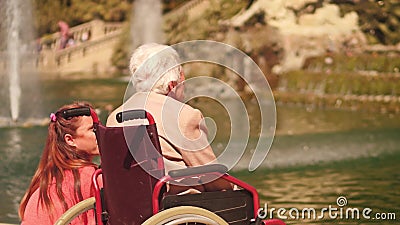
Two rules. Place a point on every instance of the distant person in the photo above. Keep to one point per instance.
(63, 176)
(71, 41)
(182, 131)
(39, 46)
(64, 34)
(85, 36)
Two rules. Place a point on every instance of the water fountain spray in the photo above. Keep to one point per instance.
(13, 53)
(20, 90)
(146, 24)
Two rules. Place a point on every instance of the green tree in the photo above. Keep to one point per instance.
(378, 19)
(75, 12)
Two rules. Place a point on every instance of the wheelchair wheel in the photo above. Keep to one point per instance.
(185, 215)
(75, 211)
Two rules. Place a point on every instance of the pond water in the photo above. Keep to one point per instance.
(317, 156)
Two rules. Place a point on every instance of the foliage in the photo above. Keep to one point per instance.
(381, 63)
(170, 5)
(75, 12)
(204, 26)
(342, 83)
(378, 19)
(121, 54)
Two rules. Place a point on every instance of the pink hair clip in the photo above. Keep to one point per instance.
(53, 117)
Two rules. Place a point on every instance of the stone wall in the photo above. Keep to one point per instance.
(92, 55)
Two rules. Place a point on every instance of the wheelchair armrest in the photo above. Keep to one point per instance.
(198, 170)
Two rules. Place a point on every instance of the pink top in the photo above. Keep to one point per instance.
(36, 214)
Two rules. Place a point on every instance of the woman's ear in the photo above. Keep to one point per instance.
(69, 140)
(172, 85)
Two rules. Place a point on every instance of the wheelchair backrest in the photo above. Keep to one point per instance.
(128, 186)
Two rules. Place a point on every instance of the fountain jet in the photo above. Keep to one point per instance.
(13, 53)
(19, 92)
(146, 23)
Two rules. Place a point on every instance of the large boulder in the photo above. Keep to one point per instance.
(306, 28)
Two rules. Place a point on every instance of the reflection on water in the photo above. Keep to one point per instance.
(371, 182)
(310, 149)
(12, 152)
(19, 154)
(316, 157)
(23, 122)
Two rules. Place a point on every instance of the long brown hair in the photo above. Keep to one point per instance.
(57, 157)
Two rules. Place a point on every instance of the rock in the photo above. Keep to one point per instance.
(308, 34)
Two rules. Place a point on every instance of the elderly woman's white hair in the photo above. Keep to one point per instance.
(153, 66)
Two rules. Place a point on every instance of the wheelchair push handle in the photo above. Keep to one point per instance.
(84, 111)
(133, 115)
(81, 111)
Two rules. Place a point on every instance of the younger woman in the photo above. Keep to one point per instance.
(63, 176)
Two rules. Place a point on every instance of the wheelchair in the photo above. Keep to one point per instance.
(131, 187)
